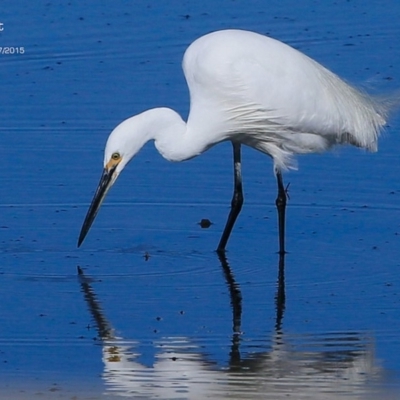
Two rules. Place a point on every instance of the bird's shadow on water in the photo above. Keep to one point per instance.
(312, 364)
(236, 304)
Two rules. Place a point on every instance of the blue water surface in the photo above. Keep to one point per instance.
(153, 311)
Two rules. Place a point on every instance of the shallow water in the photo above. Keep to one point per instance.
(153, 311)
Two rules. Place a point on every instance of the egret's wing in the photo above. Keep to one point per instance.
(305, 97)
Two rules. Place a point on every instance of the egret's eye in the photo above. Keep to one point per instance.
(116, 156)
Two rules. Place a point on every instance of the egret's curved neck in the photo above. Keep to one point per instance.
(171, 135)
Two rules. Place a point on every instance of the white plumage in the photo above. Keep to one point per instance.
(251, 90)
(273, 98)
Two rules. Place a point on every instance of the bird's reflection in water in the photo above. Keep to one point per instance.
(324, 366)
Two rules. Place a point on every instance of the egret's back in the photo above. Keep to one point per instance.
(274, 97)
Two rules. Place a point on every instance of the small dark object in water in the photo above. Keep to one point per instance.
(205, 223)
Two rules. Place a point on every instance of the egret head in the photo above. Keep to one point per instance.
(123, 143)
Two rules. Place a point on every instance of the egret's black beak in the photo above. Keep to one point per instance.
(106, 181)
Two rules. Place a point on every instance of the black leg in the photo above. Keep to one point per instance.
(237, 199)
(280, 297)
(281, 206)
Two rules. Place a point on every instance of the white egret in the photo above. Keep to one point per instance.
(253, 90)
